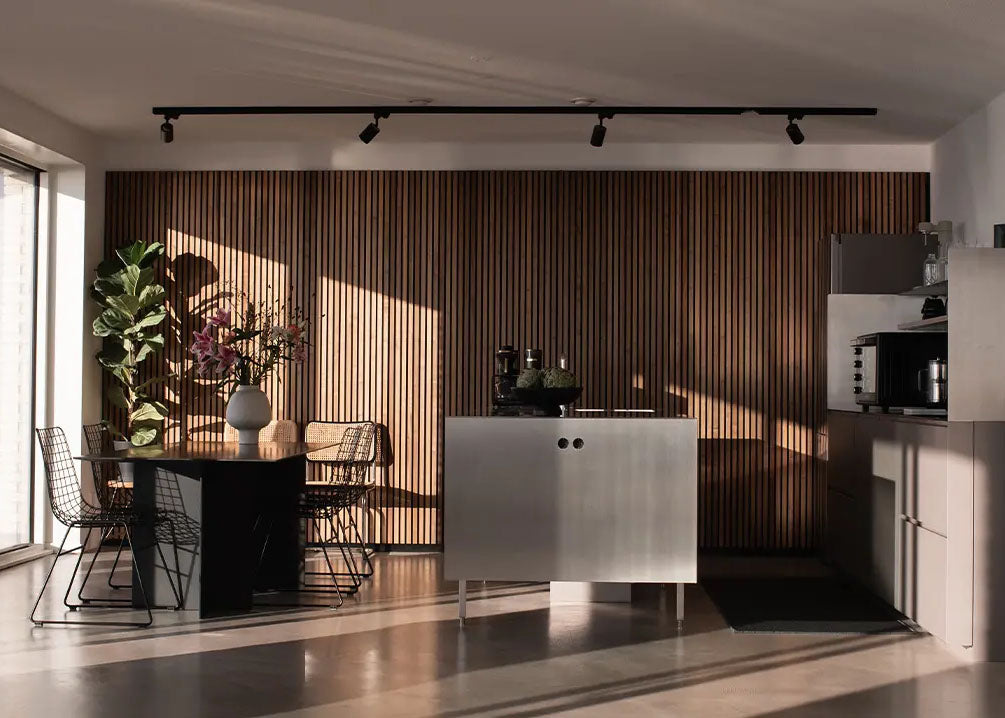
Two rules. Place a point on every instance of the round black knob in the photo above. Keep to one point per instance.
(563, 443)
(577, 443)
(858, 364)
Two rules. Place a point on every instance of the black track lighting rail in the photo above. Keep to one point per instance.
(175, 112)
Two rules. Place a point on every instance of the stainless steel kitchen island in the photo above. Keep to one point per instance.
(599, 499)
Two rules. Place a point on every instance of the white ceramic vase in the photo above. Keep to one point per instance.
(249, 412)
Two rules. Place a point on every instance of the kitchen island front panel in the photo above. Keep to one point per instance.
(571, 499)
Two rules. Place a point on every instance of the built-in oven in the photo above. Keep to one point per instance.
(889, 368)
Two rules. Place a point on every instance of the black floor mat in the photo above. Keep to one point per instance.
(802, 605)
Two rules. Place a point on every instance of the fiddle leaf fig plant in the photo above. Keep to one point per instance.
(132, 309)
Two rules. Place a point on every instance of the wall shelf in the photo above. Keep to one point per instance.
(932, 324)
(939, 289)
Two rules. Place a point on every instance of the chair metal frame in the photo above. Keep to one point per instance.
(75, 512)
(351, 476)
(172, 524)
(323, 502)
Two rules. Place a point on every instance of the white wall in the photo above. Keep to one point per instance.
(68, 376)
(968, 175)
(381, 154)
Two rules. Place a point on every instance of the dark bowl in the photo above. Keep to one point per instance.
(548, 399)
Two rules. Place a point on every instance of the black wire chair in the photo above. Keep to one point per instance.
(348, 483)
(322, 503)
(112, 490)
(75, 512)
(172, 523)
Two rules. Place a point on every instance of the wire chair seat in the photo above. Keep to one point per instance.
(171, 526)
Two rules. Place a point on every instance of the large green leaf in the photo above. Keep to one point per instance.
(130, 279)
(150, 320)
(131, 253)
(135, 280)
(151, 295)
(150, 254)
(117, 396)
(108, 267)
(148, 346)
(111, 322)
(148, 411)
(127, 304)
(109, 286)
(112, 355)
(161, 409)
(144, 435)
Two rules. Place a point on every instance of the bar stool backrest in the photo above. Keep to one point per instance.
(61, 476)
(353, 448)
(277, 430)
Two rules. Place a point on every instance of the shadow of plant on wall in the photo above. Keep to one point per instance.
(190, 282)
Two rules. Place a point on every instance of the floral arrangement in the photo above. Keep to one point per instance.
(243, 347)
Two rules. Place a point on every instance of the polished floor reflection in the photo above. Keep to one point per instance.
(396, 649)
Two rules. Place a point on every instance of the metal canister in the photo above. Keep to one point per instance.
(533, 359)
(936, 392)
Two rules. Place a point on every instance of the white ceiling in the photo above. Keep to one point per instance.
(102, 64)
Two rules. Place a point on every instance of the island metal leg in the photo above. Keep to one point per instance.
(462, 600)
(680, 605)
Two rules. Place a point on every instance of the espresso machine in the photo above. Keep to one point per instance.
(504, 378)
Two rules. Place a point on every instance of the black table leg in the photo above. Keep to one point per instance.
(144, 502)
(278, 492)
(228, 514)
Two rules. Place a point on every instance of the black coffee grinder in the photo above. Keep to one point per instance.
(504, 379)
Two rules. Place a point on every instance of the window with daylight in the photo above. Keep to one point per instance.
(19, 196)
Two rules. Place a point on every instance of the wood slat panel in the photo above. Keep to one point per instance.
(699, 292)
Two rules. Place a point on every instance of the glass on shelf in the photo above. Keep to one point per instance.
(930, 274)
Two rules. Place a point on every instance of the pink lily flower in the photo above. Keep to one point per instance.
(220, 319)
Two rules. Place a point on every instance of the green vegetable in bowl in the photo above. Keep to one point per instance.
(530, 379)
(558, 378)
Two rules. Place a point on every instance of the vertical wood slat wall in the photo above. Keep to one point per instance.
(697, 292)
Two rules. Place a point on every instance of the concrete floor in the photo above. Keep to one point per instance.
(397, 650)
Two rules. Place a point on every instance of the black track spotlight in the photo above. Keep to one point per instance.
(373, 129)
(167, 131)
(599, 131)
(792, 130)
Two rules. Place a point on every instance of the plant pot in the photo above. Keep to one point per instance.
(125, 467)
(249, 412)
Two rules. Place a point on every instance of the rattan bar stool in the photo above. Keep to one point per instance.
(75, 512)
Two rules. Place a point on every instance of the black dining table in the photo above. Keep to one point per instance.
(224, 490)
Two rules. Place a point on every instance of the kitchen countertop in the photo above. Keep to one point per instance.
(589, 414)
(907, 418)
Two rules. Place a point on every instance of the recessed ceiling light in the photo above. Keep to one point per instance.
(420, 101)
(583, 101)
